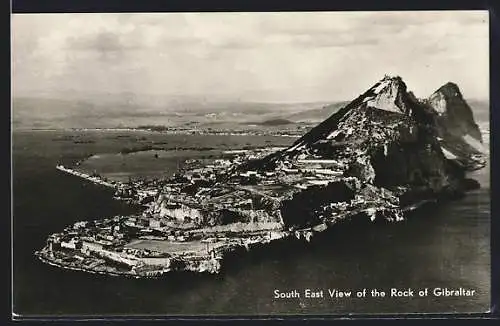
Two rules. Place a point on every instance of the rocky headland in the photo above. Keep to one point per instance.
(380, 156)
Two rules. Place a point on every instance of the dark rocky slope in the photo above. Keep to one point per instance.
(459, 134)
(390, 142)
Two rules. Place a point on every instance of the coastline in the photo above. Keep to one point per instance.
(50, 262)
(150, 227)
(231, 247)
(166, 132)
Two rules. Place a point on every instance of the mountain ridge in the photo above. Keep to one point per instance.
(390, 95)
(388, 139)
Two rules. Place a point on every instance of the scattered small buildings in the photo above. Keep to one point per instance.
(179, 212)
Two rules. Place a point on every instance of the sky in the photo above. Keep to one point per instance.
(266, 57)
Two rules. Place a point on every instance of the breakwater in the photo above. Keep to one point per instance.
(94, 179)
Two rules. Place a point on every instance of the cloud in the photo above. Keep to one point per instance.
(285, 55)
(335, 40)
(107, 46)
(101, 42)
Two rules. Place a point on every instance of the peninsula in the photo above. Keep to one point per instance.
(377, 158)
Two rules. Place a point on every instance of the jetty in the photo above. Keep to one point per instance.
(94, 179)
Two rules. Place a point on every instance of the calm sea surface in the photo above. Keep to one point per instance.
(446, 247)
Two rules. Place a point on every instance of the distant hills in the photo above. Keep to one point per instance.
(317, 114)
(128, 110)
(272, 122)
(115, 112)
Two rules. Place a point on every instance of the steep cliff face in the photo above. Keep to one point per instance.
(304, 208)
(388, 97)
(385, 137)
(388, 139)
(459, 135)
(454, 113)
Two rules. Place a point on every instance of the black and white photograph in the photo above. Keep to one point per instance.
(250, 163)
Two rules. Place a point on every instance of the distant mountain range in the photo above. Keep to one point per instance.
(115, 112)
(130, 110)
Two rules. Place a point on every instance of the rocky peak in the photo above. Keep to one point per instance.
(445, 94)
(454, 113)
(387, 95)
(387, 140)
(387, 100)
(450, 90)
(389, 119)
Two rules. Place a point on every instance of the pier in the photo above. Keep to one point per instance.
(88, 177)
